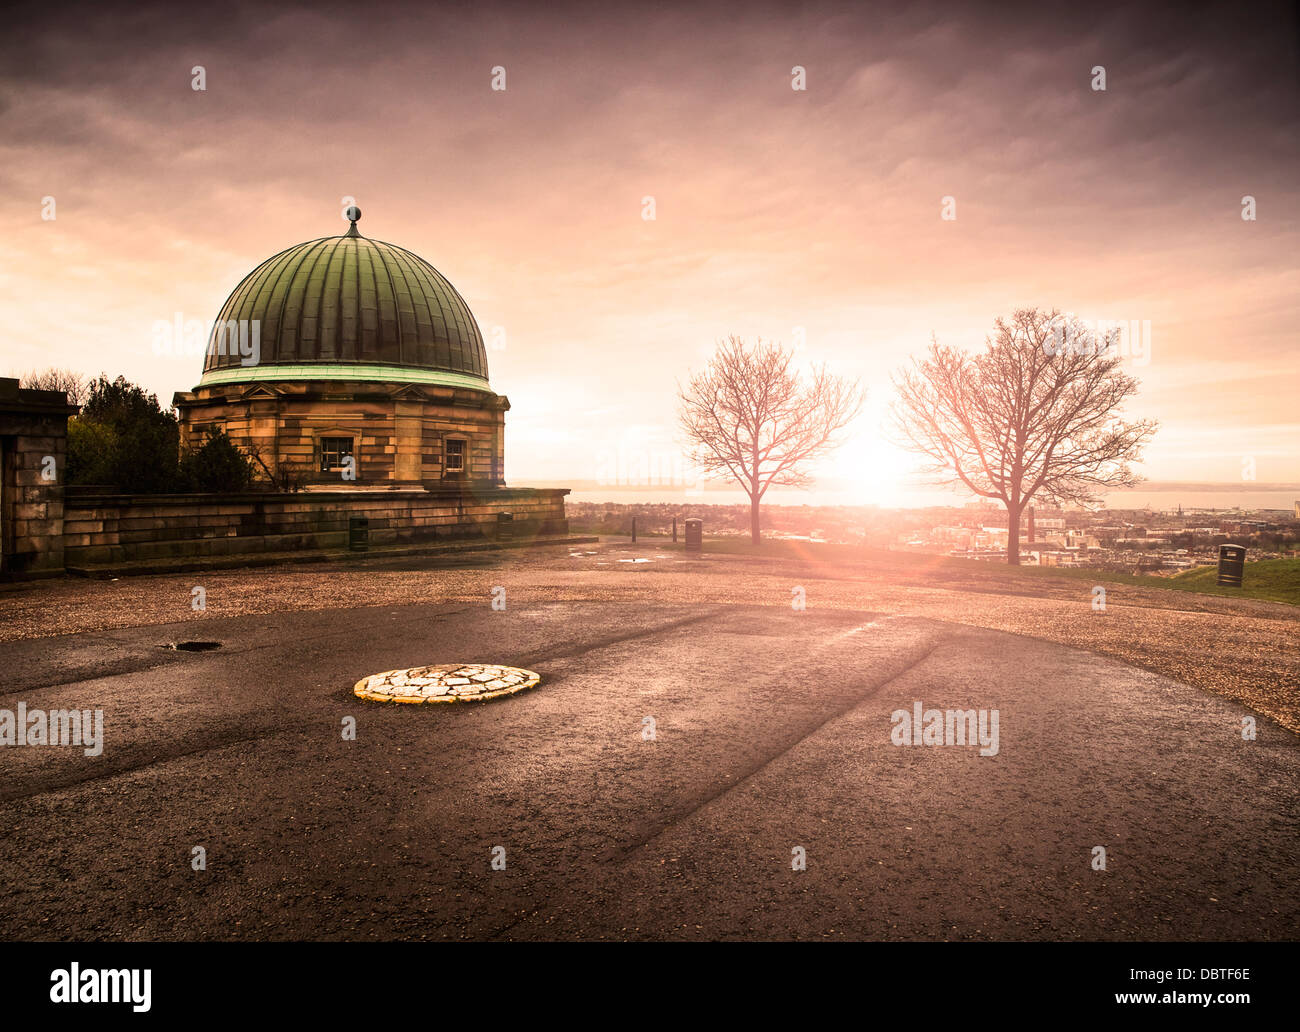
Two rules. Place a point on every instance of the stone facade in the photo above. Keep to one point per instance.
(33, 451)
(115, 529)
(402, 435)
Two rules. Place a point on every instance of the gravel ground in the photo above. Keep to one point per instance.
(1243, 650)
(772, 735)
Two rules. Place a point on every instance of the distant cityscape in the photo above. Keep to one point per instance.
(1120, 540)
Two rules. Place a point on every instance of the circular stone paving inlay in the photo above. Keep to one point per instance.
(451, 682)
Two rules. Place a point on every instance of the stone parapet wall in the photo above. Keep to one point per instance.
(107, 529)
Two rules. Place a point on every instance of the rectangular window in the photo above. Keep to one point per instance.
(332, 452)
(455, 456)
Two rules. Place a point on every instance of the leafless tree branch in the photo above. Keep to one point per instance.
(1034, 415)
(750, 417)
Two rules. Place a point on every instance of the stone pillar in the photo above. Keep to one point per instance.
(33, 470)
(408, 437)
(502, 406)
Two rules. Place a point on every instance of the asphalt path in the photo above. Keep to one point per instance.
(772, 735)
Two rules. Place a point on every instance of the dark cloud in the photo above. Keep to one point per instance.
(776, 208)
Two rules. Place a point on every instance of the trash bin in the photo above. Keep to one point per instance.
(505, 526)
(358, 533)
(1232, 564)
(694, 535)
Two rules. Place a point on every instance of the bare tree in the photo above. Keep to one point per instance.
(73, 384)
(749, 416)
(1034, 415)
(285, 480)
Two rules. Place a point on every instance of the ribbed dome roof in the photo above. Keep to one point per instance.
(355, 308)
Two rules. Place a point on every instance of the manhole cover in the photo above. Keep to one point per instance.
(191, 646)
(451, 682)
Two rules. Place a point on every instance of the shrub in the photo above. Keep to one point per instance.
(216, 465)
(124, 439)
(134, 444)
(91, 450)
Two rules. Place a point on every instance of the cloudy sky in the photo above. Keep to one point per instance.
(810, 215)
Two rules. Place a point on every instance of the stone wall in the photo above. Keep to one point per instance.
(107, 529)
(33, 449)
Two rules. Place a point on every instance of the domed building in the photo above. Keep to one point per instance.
(350, 363)
(349, 368)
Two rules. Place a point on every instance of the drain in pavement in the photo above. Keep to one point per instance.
(450, 682)
(191, 646)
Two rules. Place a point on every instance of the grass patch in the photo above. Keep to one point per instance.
(1275, 580)
(1270, 580)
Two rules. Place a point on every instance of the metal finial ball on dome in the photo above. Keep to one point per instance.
(353, 213)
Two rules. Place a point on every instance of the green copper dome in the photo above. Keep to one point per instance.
(349, 308)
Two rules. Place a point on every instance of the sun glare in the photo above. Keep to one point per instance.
(871, 470)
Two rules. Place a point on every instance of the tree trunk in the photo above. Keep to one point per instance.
(1013, 536)
(754, 533)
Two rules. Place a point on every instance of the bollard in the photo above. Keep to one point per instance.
(634, 530)
(695, 535)
(1232, 565)
(358, 533)
(674, 530)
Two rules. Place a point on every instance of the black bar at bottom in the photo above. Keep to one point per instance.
(378, 981)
